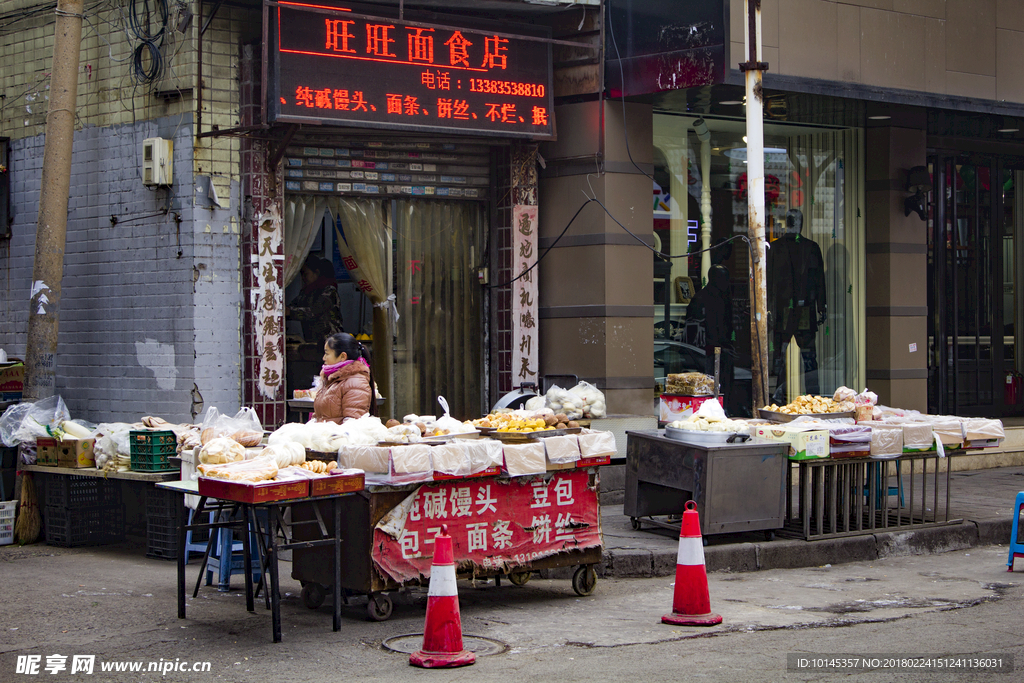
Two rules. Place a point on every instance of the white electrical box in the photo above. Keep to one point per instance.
(157, 156)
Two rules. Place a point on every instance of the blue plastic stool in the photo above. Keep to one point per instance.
(888, 491)
(190, 547)
(1016, 546)
(226, 546)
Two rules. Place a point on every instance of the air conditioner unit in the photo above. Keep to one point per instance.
(157, 160)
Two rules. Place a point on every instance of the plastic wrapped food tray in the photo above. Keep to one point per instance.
(701, 437)
(786, 417)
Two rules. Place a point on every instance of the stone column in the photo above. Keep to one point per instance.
(596, 285)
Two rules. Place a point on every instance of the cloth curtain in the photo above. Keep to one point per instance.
(439, 345)
(825, 177)
(364, 242)
(302, 215)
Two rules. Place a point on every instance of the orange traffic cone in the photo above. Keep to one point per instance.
(442, 632)
(691, 604)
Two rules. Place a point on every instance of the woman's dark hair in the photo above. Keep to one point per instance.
(343, 342)
(320, 266)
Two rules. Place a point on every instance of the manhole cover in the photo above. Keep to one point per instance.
(478, 645)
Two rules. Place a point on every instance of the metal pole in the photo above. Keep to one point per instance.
(753, 69)
(51, 228)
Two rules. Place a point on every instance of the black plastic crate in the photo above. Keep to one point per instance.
(8, 457)
(72, 491)
(161, 541)
(162, 504)
(73, 528)
(150, 451)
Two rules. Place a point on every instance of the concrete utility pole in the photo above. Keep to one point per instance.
(51, 229)
(753, 69)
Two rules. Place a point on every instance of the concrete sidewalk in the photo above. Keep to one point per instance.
(983, 498)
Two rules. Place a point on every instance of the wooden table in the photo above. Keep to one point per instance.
(267, 537)
(147, 477)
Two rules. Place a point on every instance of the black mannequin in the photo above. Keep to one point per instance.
(796, 300)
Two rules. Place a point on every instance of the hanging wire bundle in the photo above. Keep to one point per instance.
(142, 18)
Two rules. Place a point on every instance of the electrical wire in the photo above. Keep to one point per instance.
(622, 81)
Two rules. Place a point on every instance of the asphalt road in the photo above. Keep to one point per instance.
(119, 606)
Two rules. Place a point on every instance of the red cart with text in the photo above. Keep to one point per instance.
(501, 527)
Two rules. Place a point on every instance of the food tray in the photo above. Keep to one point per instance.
(699, 437)
(523, 437)
(786, 417)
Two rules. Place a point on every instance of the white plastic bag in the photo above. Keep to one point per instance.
(562, 401)
(594, 404)
(28, 421)
(244, 426)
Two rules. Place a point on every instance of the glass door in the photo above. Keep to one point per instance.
(972, 310)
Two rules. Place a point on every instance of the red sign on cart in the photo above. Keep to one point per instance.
(494, 523)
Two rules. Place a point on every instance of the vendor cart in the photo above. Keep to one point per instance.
(501, 527)
(736, 486)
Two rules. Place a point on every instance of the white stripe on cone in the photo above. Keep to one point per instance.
(691, 551)
(442, 581)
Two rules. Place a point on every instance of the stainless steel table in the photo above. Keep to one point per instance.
(737, 487)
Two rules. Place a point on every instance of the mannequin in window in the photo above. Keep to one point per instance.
(712, 306)
(796, 302)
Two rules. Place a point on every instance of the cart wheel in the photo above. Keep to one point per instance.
(635, 523)
(519, 578)
(769, 534)
(379, 607)
(704, 541)
(313, 595)
(584, 580)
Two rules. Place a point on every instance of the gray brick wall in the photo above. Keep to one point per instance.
(148, 308)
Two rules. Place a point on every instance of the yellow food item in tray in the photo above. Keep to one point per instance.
(807, 405)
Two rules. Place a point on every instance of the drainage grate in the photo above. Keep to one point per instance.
(478, 645)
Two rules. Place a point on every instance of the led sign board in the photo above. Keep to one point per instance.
(334, 65)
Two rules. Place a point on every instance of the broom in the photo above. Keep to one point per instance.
(26, 529)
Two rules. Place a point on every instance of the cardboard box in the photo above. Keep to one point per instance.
(675, 407)
(263, 492)
(76, 453)
(492, 471)
(594, 462)
(12, 376)
(337, 483)
(46, 451)
(804, 443)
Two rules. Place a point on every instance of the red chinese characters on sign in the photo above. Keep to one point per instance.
(494, 523)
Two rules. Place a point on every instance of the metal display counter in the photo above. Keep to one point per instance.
(737, 487)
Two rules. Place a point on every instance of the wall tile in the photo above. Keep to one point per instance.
(935, 56)
(808, 31)
(970, 37)
(892, 51)
(1010, 14)
(970, 85)
(927, 8)
(849, 40)
(1010, 61)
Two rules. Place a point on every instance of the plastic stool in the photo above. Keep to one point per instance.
(190, 547)
(226, 546)
(890, 491)
(1016, 546)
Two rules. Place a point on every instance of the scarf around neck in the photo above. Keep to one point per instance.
(329, 370)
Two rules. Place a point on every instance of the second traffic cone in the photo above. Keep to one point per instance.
(691, 603)
(442, 631)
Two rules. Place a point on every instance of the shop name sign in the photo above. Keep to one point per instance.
(333, 65)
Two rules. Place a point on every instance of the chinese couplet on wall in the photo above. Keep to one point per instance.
(494, 523)
(268, 304)
(524, 295)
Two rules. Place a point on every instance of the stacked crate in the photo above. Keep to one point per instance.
(83, 511)
(164, 514)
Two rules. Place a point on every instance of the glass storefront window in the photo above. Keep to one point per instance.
(813, 188)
